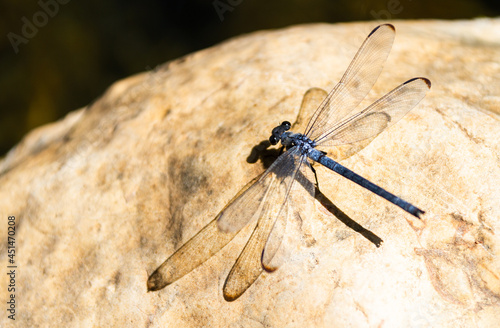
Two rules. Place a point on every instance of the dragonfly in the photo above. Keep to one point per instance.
(268, 199)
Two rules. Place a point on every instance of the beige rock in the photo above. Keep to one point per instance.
(104, 196)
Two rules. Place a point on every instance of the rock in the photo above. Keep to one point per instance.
(104, 196)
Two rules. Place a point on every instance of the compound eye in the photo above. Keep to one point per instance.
(286, 125)
(273, 140)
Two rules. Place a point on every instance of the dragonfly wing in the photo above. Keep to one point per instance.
(357, 81)
(274, 240)
(375, 118)
(248, 266)
(212, 237)
(245, 206)
(194, 252)
(299, 200)
(310, 102)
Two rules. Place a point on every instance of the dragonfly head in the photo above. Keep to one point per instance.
(278, 132)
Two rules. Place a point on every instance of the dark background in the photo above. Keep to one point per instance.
(72, 57)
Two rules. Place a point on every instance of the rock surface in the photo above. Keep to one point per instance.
(104, 196)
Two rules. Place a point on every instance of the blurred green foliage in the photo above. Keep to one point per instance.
(81, 47)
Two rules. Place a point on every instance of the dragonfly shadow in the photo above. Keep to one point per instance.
(262, 153)
(268, 156)
(339, 214)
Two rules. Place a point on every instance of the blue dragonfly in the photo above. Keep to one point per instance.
(268, 199)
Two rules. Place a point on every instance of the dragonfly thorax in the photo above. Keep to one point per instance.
(289, 139)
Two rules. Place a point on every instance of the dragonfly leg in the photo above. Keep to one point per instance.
(315, 176)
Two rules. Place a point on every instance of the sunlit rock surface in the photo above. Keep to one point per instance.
(104, 196)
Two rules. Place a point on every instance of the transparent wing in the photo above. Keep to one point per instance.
(249, 204)
(248, 266)
(375, 118)
(310, 102)
(357, 81)
(299, 201)
(194, 252)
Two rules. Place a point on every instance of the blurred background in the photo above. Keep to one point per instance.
(60, 55)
